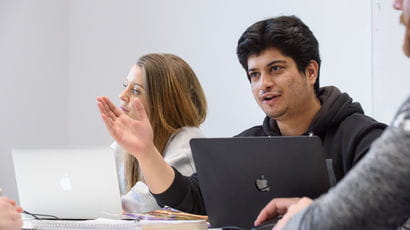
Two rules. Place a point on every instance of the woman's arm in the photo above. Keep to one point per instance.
(136, 137)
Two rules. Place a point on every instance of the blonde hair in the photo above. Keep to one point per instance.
(175, 99)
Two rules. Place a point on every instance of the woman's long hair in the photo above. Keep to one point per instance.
(406, 45)
(175, 99)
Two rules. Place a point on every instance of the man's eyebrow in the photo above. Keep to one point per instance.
(269, 64)
(275, 62)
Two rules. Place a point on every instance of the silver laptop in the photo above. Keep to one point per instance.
(76, 183)
(239, 176)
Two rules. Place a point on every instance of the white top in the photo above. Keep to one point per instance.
(177, 153)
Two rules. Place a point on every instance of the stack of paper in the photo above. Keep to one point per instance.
(173, 224)
(166, 213)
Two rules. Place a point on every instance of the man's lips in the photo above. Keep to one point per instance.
(268, 96)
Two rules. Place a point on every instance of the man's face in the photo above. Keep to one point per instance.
(404, 6)
(277, 85)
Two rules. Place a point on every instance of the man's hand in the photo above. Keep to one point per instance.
(293, 210)
(275, 207)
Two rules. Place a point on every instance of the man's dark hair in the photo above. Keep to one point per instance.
(288, 34)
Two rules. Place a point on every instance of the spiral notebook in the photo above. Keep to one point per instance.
(104, 224)
(108, 224)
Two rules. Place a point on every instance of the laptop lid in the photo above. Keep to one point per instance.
(239, 176)
(76, 183)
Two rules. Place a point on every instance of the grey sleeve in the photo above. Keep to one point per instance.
(375, 194)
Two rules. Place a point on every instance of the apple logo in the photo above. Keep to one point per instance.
(65, 183)
(262, 184)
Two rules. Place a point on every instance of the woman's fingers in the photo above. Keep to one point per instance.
(108, 108)
(112, 108)
(140, 110)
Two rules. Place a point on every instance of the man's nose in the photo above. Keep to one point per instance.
(266, 81)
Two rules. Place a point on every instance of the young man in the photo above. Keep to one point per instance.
(375, 194)
(281, 58)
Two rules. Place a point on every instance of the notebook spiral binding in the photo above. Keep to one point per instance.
(92, 224)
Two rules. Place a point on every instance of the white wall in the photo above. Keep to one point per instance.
(106, 37)
(391, 69)
(56, 57)
(102, 48)
(34, 77)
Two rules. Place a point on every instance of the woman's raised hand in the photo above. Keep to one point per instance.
(133, 135)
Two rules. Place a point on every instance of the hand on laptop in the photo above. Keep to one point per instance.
(287, 207)
(10, 217)
(133, 135)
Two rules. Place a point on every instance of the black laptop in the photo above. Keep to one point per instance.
(239, 176)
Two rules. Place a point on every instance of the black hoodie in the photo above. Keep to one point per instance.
(345, 131)
(346, 135)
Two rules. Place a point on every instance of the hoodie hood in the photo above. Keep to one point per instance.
(335, 107)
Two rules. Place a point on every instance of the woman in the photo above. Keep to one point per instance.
(375, 194)
(175, 105)
(10, 218)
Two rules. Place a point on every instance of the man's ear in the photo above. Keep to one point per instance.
(311, 71)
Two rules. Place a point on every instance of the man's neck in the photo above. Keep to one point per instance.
(300, 122)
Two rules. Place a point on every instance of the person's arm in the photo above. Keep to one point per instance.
(375, 194)
(136, 137)
(10, 217)
(184, 194)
